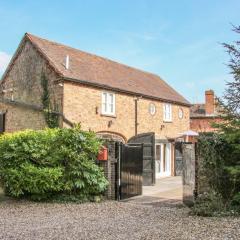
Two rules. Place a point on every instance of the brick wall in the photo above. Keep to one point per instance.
(209, 102)
(79, 104)
(109, 167)
(82, 104)
(25, 80)
(203, 124)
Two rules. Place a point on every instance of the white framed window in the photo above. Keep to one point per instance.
(167, 112)
(108, 103)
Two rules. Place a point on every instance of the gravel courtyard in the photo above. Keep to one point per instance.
(109, 220)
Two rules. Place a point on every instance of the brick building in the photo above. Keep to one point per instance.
(203, 115)
(104, 96)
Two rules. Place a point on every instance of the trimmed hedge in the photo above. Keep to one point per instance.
(51, 164)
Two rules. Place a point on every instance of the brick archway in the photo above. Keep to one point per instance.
(112, 136)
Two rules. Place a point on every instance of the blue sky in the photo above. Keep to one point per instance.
(178, 40)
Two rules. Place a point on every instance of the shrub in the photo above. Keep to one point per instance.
(208, 205)
(51, 164)
(219, 163)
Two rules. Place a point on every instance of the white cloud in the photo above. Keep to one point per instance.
(4, 60)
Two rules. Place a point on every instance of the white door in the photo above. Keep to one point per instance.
(158, 157)
(163, 160)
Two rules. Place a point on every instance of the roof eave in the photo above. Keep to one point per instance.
(103, 86)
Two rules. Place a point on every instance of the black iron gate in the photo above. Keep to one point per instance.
(131, 167)
(148, 141)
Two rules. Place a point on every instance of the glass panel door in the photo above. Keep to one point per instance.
(163, 160)
(158, 160)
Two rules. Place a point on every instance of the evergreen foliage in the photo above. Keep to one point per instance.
(220, 152)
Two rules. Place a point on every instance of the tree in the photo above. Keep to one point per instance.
(232, 92)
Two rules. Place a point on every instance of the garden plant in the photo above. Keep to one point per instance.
(51, 164)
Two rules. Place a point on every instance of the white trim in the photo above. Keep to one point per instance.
(168, 160)
(108, 103)
(167, 112)
(152, 108)
(180, 113)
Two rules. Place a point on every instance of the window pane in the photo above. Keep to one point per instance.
(108, 103)
(111, 108)
(170, 112)
(104, 102)
(158, 152)
(111, 98)
(164, 157)
(167, 112)
(105, 107)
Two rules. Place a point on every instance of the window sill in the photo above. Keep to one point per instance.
(108, 115)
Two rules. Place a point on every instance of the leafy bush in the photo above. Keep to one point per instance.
(219, 162)
(51, 164)
(208, 205)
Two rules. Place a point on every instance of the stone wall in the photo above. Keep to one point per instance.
(189, 173)
(24, 78)
(195, 181)
(82, 104)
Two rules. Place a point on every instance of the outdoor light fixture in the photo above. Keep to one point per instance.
(110, 123)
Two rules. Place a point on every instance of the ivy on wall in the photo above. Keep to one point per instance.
(50, 110)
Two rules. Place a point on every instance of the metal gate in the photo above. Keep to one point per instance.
(131, 166)
(178, 159)
(148, 141)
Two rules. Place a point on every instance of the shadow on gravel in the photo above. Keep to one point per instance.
(3, 198)
(155, 201)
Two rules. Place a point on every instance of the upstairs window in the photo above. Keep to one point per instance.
(167, 112)
(108, 103)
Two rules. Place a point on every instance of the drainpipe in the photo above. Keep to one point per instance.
(136, 99)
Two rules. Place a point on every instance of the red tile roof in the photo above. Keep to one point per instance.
(198, 110)
(95, 70)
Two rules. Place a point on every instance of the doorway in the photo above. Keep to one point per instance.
(163, 160)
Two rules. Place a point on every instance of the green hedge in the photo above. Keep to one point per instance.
(51, 164)
(220, 165)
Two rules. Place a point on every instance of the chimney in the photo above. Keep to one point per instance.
(209, 102)
(67, 62)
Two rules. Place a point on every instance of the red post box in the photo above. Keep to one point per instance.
(103, 154)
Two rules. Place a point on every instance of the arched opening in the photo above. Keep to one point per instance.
(113, 136)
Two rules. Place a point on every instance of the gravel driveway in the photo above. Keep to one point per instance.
(109, 220)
